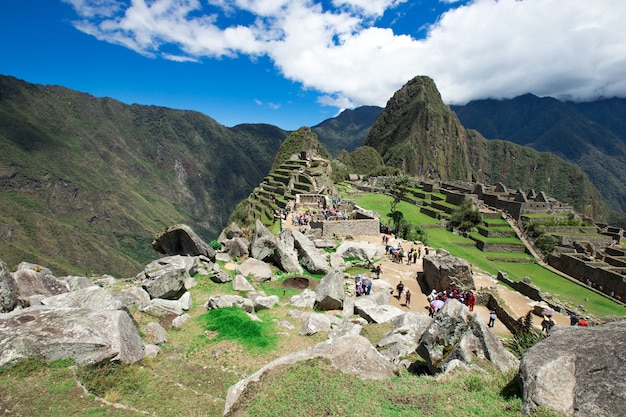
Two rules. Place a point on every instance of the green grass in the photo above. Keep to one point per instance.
(233, 324)
(313, 388)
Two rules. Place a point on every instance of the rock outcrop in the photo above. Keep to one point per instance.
(8, 289)
(579, 371)
(263, 243)
(330, 292)
(443, 271)
(310, 256)
(180, 239)
(458, 334)
(88, 336)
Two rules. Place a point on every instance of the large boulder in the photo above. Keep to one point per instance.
(370, 310)
(317, 322)
(9, 290)
(167, 283)
(330, 293)
(240, 283)
(312, 258)
(403, 339)
(94, 297)
(255, 270)
(286, 256)
(88, 336)
(360, 250)
(349, 354)
(458, 334)
(180, 239)
(263, 243)
(37, 282)
(579, 371)
(159, 307)
(236, 247)
(306, 299)
(443, 271)
(230, 232)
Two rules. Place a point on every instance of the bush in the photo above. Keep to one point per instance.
(215, 245)
(465, 218)
(546, 243)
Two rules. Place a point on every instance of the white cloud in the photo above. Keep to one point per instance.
(485, 48)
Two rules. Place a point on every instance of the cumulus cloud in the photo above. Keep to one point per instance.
(477, 49)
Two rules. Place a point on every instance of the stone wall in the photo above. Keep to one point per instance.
(598, 273)
(347, 227)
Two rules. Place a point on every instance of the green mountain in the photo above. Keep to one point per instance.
(86, 182)
(348, 130)
(419, 134)
(590, 135)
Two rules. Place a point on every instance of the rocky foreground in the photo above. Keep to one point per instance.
(577, 371)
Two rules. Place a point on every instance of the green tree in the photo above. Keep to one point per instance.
(465, 218)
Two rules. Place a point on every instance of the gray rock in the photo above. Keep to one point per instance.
(403, 339)
(88, 336)
(346, 328)
(179, 321)
(337, 262)
(578, 371)
(155, 333)
(458, 334)
(312, 258)
(306, 299)
(150, 350)
(159, 307)
(255, 270)
(285, 255)
(263, 243)
(264, 303)
(360, 250)
(349, 354)
(134, 296)
(166, 284)
(219, 276)
(348, 307)
(182, 240)
(230, 232)
(225, 301)
(240, 283)
(76, 283)
(236, 247)
(9, 291)
(375, 313)
(93, 297)
(31, 282)
(185, 301)
(325, 243)
(316, 323)
(330, 292)
(443, 271)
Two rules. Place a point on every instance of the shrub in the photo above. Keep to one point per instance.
(546, 243)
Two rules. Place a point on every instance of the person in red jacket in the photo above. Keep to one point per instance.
(582, 322)
(471, 301)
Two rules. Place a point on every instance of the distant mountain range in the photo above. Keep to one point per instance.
(86, 182)
(591, 135)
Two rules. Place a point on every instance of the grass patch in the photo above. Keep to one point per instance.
(313, 388)
(234, 324)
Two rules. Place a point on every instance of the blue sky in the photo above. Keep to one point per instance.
(292, 63)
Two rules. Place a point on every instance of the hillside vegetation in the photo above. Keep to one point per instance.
(86, 182)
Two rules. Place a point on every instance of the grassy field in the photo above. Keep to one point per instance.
(460, 246)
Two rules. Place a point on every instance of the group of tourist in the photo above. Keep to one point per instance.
(363, 286)
(437, 299)
(397, 253)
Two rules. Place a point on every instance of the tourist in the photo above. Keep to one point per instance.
(471, 301)
(583, 323)
(378, 271)
(407, 298)
(573, 319)
(492, 318)
(400, 288)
